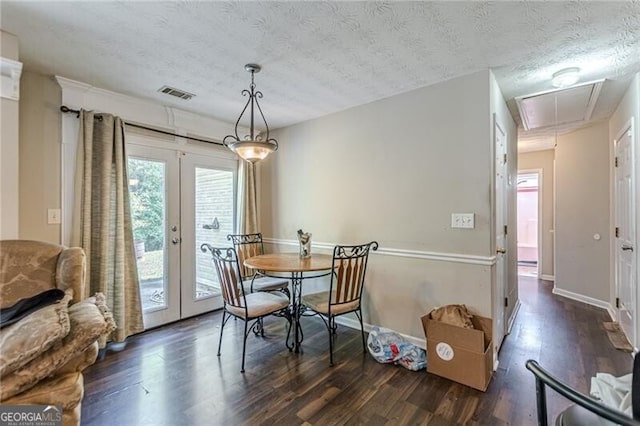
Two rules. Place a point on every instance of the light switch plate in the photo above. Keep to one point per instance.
(53, 216)
(462, 220)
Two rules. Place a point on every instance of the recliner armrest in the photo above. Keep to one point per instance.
(70, 272)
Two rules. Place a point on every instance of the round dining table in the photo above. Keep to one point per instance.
(315, 266)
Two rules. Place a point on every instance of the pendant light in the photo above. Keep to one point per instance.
(253, 147)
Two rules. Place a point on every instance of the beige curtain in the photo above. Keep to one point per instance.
(247, 205)
(102, 219)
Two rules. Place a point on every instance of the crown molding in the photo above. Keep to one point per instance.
(10, 72)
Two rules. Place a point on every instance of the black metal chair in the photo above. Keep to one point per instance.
(345, 289)
(586, 411)
(249, 245)
(247, 307)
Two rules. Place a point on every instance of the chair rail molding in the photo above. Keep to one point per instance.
(415, 254)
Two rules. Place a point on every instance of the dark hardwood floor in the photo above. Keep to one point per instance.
(172, 376)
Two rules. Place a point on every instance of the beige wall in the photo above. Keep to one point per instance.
(8, 46)
(394, 171)
(582, 210)
(399, 167)
(9, 150)
(543, 160)
(39, 156)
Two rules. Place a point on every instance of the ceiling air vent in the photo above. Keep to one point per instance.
(561, 106)
(176, 92)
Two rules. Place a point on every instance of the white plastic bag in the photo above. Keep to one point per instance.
(388, 346)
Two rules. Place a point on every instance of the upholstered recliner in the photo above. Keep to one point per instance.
(43, 354)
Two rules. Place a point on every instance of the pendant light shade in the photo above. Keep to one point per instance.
(254, 146)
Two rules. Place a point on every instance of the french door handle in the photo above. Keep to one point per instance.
(626, 247)
(501, 250)
(175, 240)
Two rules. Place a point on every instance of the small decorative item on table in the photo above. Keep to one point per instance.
(304, 238)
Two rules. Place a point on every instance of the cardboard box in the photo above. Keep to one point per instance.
(460, 354)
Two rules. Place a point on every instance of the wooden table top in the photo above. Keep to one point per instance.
(290, 262)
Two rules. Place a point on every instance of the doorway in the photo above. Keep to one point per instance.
(501, 214)
(178, 201)
(528, 222)
(625, 232)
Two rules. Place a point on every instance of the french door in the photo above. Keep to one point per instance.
(178, 201)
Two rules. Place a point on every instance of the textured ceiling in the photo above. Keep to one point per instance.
(323, 57)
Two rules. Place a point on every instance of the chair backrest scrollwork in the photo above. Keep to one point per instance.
(225, 259)
(246, 246)
(349, 269)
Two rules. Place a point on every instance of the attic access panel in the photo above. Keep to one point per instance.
(574, 105)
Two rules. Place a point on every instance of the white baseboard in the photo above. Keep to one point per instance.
(548, 277)
(612, 313)
(585, 299)
(352, 323)
(514, 314)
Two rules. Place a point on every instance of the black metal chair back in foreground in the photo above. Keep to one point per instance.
(247, 307)
(345, 289)
(586, 410)
(246, 245)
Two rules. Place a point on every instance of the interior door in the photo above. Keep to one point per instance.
(500, 237)
(625, 232)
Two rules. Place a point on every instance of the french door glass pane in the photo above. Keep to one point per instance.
(214, 221)
(149, 210)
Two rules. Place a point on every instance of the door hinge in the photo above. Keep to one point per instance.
(506, 302)
(505, 158)
(617, 302)
(617, 232)
(616, 162)
(505, 230)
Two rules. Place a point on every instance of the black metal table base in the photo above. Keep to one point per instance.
(294, 340)
(296, 309)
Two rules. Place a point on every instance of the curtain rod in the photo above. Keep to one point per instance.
(68, 110)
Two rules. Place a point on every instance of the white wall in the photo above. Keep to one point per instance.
(393, 171)
(543, 160)
(9, 150)
(628, 109)
(582, 210)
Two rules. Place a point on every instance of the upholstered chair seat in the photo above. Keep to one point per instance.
(259, 304)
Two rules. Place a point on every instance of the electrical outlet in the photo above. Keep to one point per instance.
(53, 216)
(462, 220)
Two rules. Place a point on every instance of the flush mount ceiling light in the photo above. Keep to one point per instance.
(254, 147)
(566, 77)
